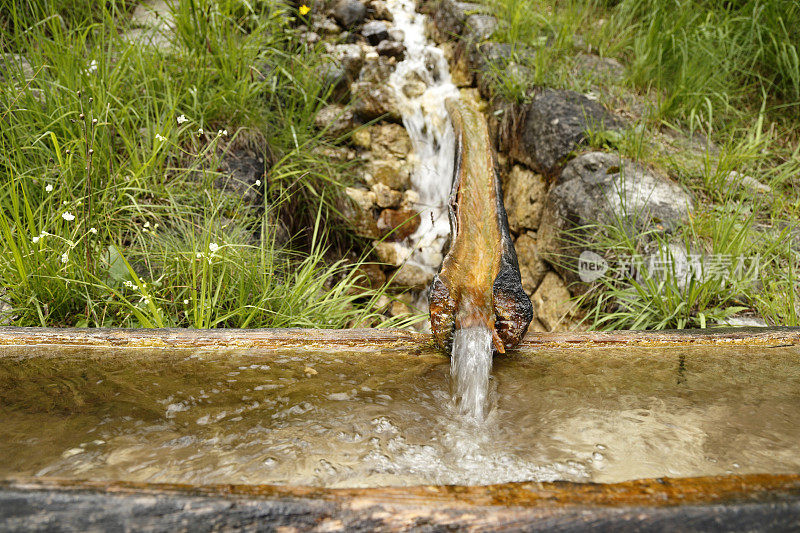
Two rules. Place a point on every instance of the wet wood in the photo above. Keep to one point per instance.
(385, 341)
(753, 503)
(478, 284)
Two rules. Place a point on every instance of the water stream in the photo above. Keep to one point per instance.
(470, 367)
(426, 120)
(433, 140)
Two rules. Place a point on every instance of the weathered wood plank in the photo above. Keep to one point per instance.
(385, 340)
(752, 503)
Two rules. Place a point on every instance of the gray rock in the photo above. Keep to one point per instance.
(478, 28)
(358, 208)
(491, 60)
(380, 11)
(15, 66)
(153, 14)
(601, 188)
(335, 119)
(153, 24)
(374, 100)
(325, 25)
(601, 68)
(6, 309)
(376, 69)
(554, 124)
(392, 172)
(389, 140)
(392, 49)
(736, 180)
(241, 170)
(451, 16)
(552, 305)
(336, 82)
(391, 253)
(155, 38)
(349, 13)
(412, 276)
(350, 57)
(375, 31)
(744, 321)
(386, 197)
(309, 37)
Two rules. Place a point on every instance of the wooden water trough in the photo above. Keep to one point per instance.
(753, 502)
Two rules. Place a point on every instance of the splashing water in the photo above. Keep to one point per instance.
(470, 367)
(433, 140)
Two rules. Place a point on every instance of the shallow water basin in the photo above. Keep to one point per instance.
(327, 410)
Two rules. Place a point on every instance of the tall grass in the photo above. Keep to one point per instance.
(715, 267)
(108, 211)
(709, 58)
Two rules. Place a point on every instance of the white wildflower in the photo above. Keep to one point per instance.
(146, 224)
(48, 188)
(64, 202)
(213, 247)
(225, 133)
(64, 257)
(200, 131)
(160, 137)
(68, 217)
(147, 301)
(199, 255)
(93, 231)
(181, 119)
(258, 183)
(36, 239)
(186, 302)
(92, 68)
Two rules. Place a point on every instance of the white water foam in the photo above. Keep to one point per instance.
(426, 121)
(470, 367)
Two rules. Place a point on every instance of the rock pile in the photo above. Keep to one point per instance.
(553, 186)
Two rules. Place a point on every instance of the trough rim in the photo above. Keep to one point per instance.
(368, 340)
(651, 492)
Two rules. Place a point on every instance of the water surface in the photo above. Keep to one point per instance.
(254, 416)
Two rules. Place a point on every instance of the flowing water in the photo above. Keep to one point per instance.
(470, 367)
(432, 138)
(343, 420)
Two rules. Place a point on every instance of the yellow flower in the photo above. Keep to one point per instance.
(304, 9)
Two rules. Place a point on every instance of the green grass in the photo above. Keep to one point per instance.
(96, 136)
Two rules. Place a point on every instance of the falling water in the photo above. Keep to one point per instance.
(426, 120)
(470, 367)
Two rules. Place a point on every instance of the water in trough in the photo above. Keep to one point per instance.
(343, 420)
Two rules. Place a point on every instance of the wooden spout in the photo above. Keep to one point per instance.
(479, 281)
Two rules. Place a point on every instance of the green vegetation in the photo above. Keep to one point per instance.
(109, 155)
(710, 88)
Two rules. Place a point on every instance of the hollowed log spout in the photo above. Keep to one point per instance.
(479, 282)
